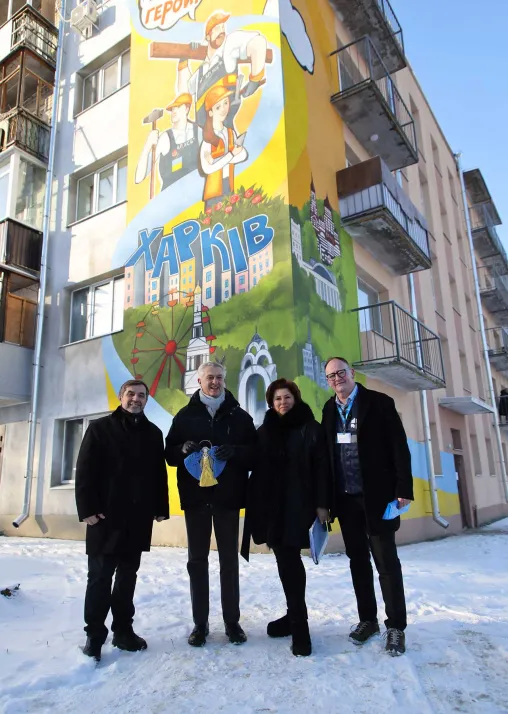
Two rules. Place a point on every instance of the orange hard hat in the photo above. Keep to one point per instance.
(218, 18)
(215, 94)
(180, 101)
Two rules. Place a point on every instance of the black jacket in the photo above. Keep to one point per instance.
(290, 480)
(385, 459)
(230, 425)
(121, 473)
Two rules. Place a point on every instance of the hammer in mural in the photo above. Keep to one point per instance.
(219, 57)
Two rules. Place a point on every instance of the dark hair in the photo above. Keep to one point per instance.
(342, 359)
(282, 383)
(133, 383)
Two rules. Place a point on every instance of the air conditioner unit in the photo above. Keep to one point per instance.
(84, 17)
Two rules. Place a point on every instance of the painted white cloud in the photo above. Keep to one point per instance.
(293, 27)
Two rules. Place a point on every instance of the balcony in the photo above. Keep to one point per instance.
(30, 29)
(22, 129)
(381, 218)
(377, 19)
(497, 342)
(476, 188)
(398, 349)
(494, 292)
(369, 102)
(20, 246)
(487, 244)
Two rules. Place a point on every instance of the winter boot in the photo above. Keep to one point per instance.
(280, 627)
(395, 642)
(197, 637)
(235, 633)
(363, 631)
(302, 646)
(93, 649)
(129, 641)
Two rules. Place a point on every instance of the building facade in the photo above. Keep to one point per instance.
(291, 183)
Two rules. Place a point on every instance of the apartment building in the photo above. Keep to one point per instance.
(262, 183)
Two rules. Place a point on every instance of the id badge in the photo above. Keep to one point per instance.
(343, 438)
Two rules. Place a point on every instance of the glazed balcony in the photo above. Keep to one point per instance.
(20, 246)
(369, 102)
(494, 292)
(30, 29)
(398, 349)
(381, 218)
(377, 19)
(497, 342)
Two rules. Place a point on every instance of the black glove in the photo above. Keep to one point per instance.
(189, 447)
(225, 452)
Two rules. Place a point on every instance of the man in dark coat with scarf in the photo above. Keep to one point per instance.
(121, 487)
(213, 417)
(371, 466)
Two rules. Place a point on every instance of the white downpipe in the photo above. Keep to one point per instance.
(482, 329)
(427, 436)
(32, 421)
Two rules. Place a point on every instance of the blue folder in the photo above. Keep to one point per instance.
(318, 536)
(393, 510)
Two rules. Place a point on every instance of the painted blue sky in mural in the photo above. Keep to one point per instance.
(459, 52)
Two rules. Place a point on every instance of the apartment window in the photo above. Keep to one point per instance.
(154, 285)
(97, 310)
(476, 455)
(254, 268)
(73, 432)
(30, 194)
(226, 294)
(255, 281)
(208, 293)
(242, 290)
(208, 276)
(190, 268)
(154, 298)
(242, 280)
(226, 283)
(184, 271)
(102, 189)
(106, 80)
(490, 457)
(370, 317)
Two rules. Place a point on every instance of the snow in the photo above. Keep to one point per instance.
(457, 638)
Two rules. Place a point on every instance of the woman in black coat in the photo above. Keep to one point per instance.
(287, 489)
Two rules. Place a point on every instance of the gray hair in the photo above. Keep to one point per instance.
(207, 365)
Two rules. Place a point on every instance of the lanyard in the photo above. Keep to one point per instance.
(345, 415)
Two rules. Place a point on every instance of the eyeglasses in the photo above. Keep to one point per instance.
(336, 375)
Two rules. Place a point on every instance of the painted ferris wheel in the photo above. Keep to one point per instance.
(165, 339)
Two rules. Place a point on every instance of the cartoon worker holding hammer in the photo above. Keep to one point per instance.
(175, 151)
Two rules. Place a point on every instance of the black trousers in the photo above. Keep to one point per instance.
(199, 532)
(359, 545)
(293, 578)
(99, 598)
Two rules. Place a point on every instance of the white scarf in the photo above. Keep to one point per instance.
(212, 403)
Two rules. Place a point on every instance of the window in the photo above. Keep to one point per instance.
(184, 281)
(490, 457)
(242, 290)
(184, 271)
(101, 190)
(226, 294)
(255, 280)
(154, 298)
(190, 268)
(226, 283)
(208, 276)
(106, 80)
(73, 432)
(97, 310)
(370, 317)
(4, 190)
(253, 268)
(30, 194)
(242, 280)
(208, 293)
(267, 264)
(154, 285)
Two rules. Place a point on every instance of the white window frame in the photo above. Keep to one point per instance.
(86, 423)
(95, 198)
(90, 306)
(375, 316)
(100, 72)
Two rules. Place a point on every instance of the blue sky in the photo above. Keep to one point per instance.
(458, 49)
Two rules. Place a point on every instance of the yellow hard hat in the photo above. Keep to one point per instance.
(215, 94)
(180, 101)
(218, 18)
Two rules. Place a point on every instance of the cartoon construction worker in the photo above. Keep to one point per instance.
(176, 150)
(221, 148)
(220, 67)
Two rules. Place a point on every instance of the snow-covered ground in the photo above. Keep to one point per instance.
(457, 658)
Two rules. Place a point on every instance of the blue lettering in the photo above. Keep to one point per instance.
(237, 250)
(185, 234)
(258, 234)
(210, 240)
(166, 254)
(144, 249)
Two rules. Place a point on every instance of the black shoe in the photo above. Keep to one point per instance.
(279, 628)
(129, 641)
(93, 649)
(301, 646)
(363, 631)
(395, 642)
(197, 637)
(235, 633)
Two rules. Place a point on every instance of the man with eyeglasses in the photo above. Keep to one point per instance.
(371, 466)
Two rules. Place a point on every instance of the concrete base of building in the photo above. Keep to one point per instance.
(492, 513)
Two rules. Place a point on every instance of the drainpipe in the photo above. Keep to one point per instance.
(32, 421)
(427, 436)
(485, 346)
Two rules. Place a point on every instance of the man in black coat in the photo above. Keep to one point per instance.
(371, 466)
(213, 417)
(121, 487)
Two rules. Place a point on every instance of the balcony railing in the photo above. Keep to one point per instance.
(494, 291)
(382, 218)
(32, 30)
(377, 19)
(20, 245)
(22, 129)
(487, 244)
(497, 342)
(399, 349)
(368, 100)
